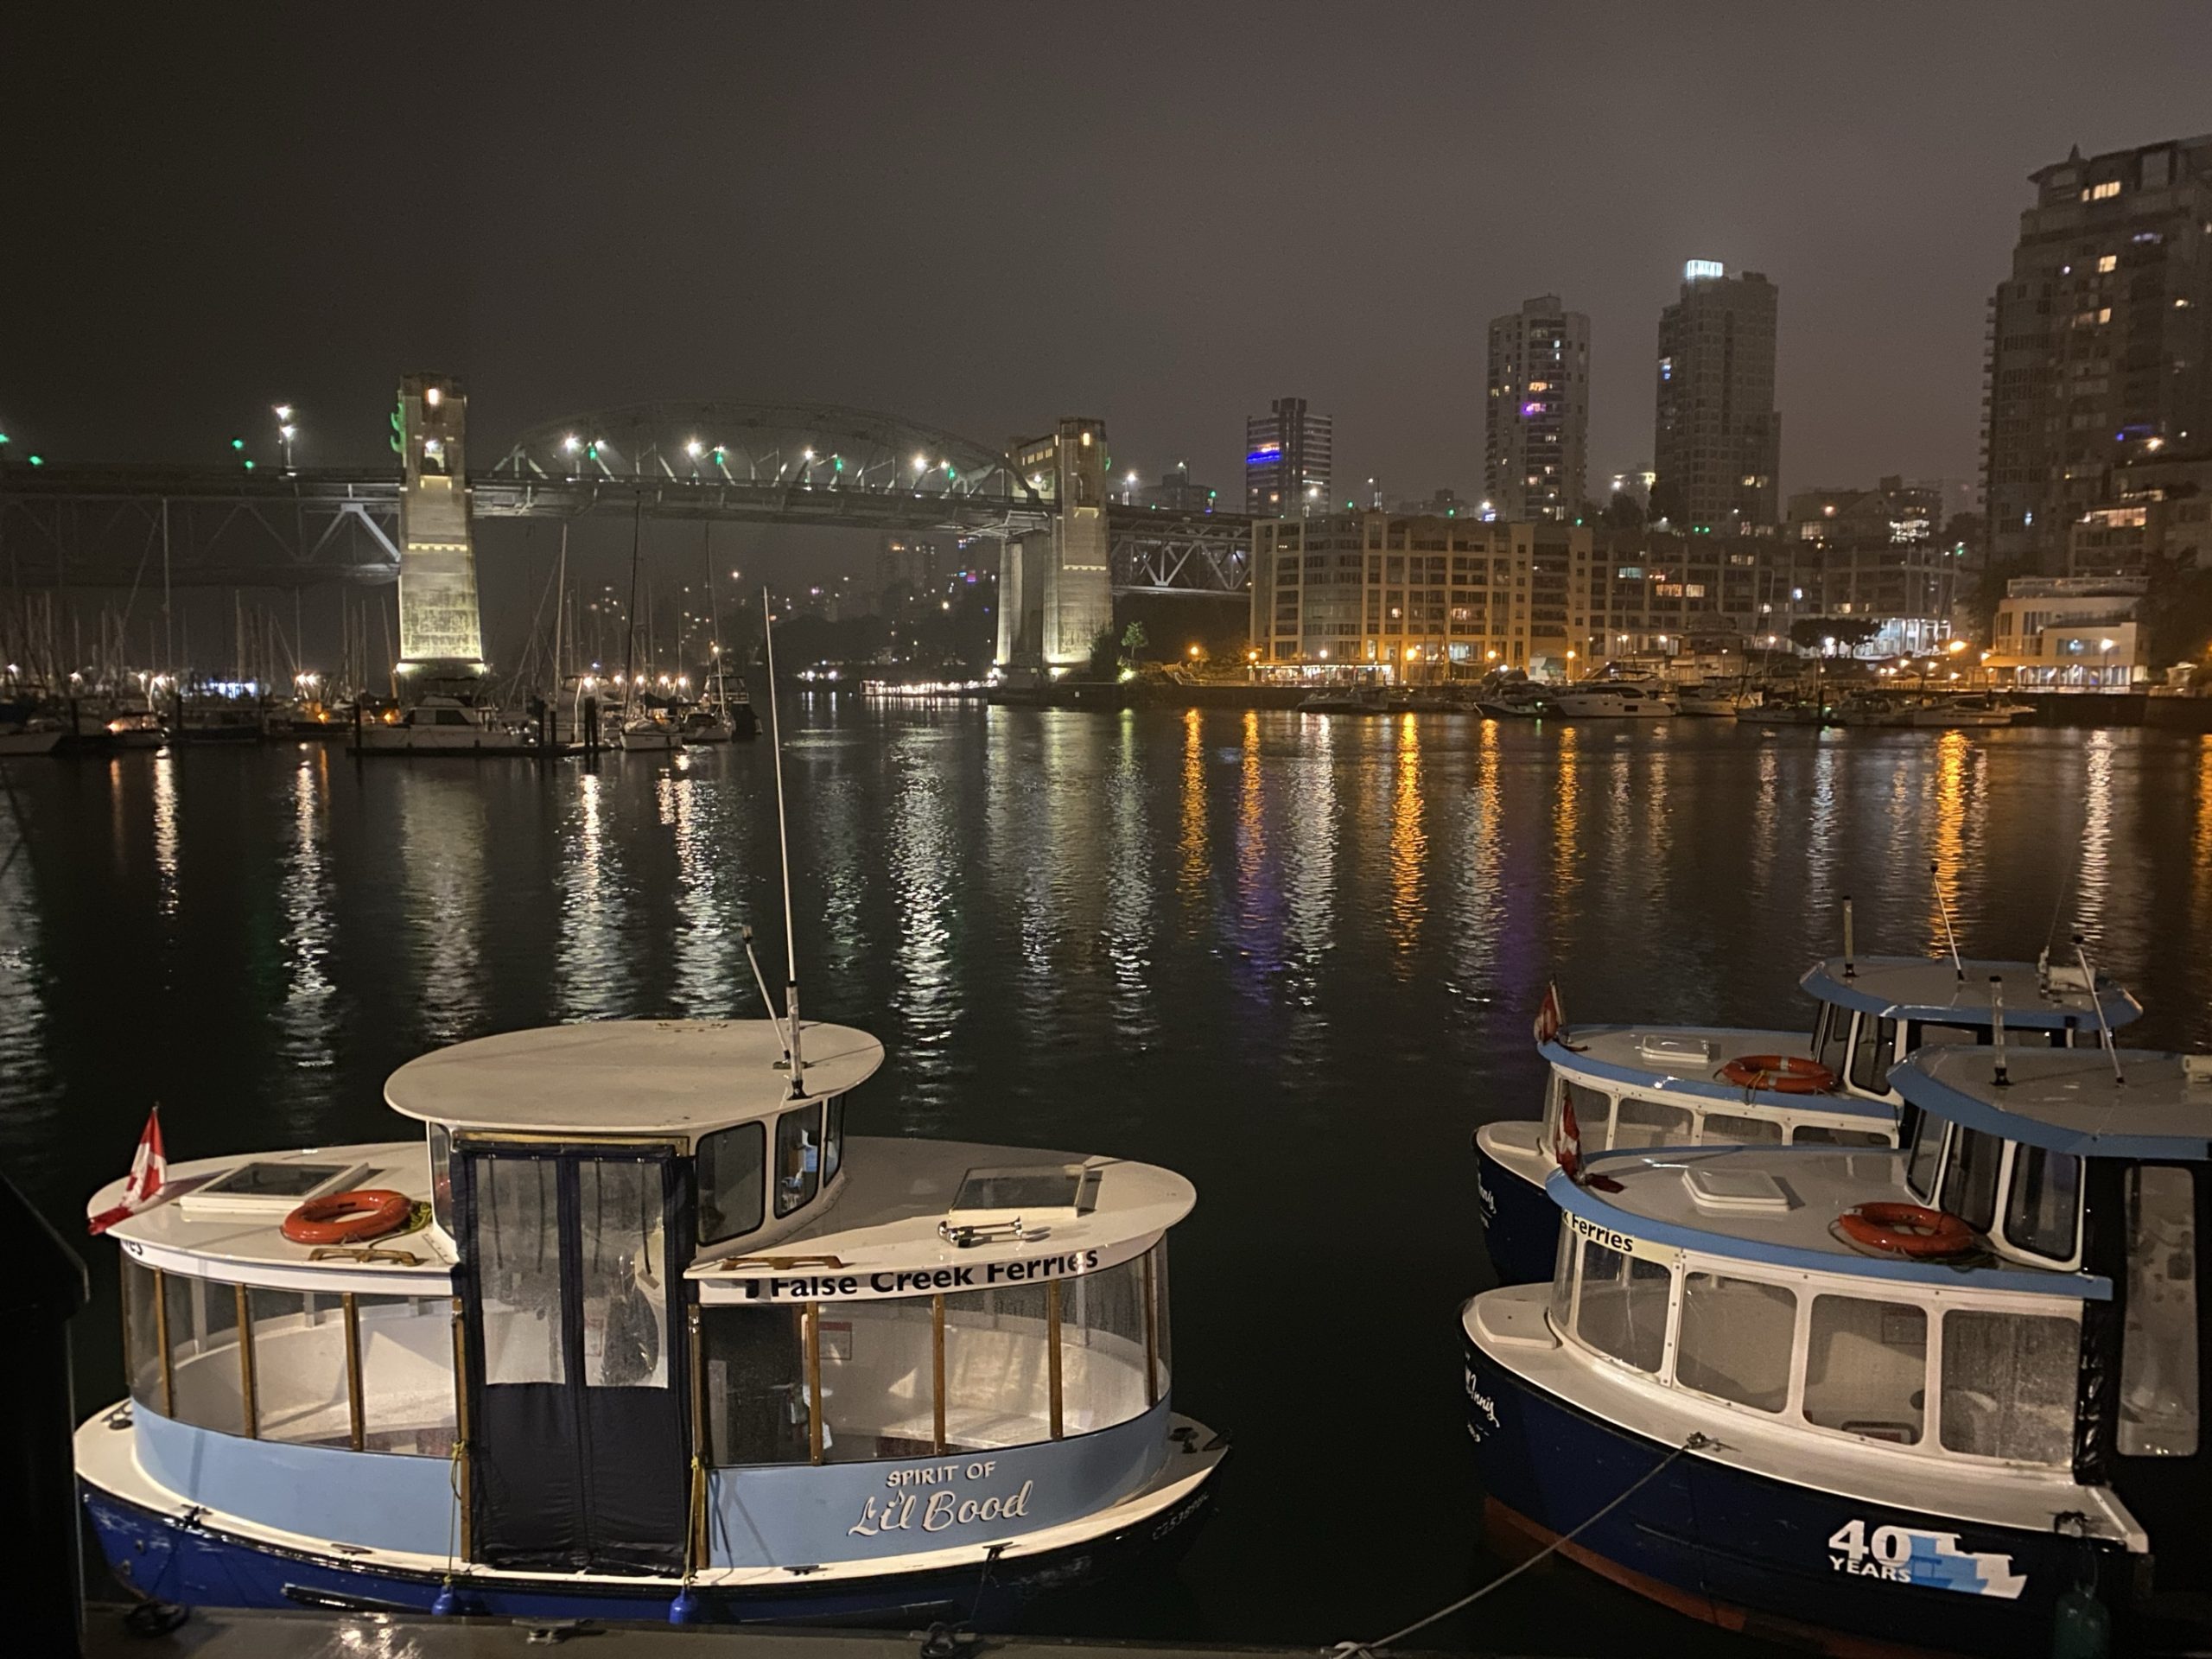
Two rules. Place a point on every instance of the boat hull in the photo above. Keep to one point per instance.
(1520, 1221)
(170, 1558)
(1748, 1552)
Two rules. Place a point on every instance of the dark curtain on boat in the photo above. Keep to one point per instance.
(573, 1259)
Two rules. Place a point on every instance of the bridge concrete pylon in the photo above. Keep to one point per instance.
(440, 630)
(1055, 589)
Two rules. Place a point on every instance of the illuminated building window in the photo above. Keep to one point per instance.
(2109, 188)
(2110, 261)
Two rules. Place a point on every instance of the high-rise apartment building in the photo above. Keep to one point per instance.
(2098, 342)
(1537, 425)
(1289, 461)
(1716, 442)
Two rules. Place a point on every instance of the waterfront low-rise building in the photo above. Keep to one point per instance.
(2071, 633)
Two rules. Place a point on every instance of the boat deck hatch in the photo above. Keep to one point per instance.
(1737, 1191)
(268, 1186)
(1018, 1192)
(1674, 1050)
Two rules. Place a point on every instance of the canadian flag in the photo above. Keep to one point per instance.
(142, 1187)
(1551, 1018)
(1567, 1148)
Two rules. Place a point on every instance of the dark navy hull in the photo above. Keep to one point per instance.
(1520, 1223)
(163, 1557)
(1753, 1553)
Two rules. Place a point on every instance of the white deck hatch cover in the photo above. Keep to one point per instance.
(1736, 1192)
(1010, 1193)
(269, 1186)
(1674, 1050)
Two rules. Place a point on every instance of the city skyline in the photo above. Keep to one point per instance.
(725, 256)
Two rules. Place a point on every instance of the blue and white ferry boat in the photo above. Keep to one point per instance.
(1944, 1397)
(1614, 1088)
(648, 1335)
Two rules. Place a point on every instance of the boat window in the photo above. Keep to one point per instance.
(1570, 1252)
(1920, 1034)
(754, 1362)
(1651, 1123)
(1160, 1324)
(1925, 1135)
(1826, 1135)
(1832, 1045)
(624, 1274)
(732, 1171)
(1622, 1310)
(2008, 1385)
(1553, 1093)
(799, 1158)
(833, 1138)
(1970, 1189)
(203, 1331)
(2042, 1214)
(1736, 1339)
(517, 1246)
(1729, 1129)
(2158, 1377)
(1866, 1368)
(407, 1388)
(142, 1337)
(441, 1177)
(1103, 1348)
(1592, 1110)
(997, 1370)
(1871, 1053)
(299, 1366)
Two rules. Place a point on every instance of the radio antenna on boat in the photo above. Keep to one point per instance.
(1849, 972)
(783, 845)
(1935, 880)
(2104, 1028)
(745, 935)
(1997, 1027)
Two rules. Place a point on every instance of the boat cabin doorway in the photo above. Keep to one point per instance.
(574, 1361)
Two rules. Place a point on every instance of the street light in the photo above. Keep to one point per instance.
(2104, 668)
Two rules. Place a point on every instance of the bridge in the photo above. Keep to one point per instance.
(69, 525)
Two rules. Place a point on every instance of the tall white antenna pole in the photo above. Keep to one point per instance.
(2104, 1027)
(784, 843)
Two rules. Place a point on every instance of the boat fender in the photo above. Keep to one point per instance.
(690, 1607)
(349, 1217)
(1907, 1229)
(1782, 1074)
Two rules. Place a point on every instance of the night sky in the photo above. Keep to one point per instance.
(984, 216)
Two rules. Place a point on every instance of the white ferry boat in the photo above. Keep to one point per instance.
(648, 1335)
(1943, 1398)
(1613, 700)
(1612, 1087)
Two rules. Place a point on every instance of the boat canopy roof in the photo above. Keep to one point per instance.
(883, 1237)
(1773, 1204)
(1687, 1059)
(626, 1076)
(2069, 1100)
(1931, 988)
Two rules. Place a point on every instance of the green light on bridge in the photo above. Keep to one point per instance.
(238, 443)
(249, 463)
(38, 460)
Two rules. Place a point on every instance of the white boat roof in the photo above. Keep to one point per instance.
(1687, 1061)
(1932, 988)
(626, 1076)
(2069, 1100)
(896, 1191)
(1648, 1195)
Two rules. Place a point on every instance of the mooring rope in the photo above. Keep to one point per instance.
(1366, 1650)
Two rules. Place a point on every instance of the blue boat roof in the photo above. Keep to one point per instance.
(1931, 988)
(2069, 1100)
(1652, 1199)
(1639, 1057)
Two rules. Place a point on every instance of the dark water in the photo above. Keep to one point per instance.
(1295, 957)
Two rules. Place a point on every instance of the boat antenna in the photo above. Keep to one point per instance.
(2104, 1027)
(745, 934)
(783, 845)
(1849, 972)
(1935, 880)
(1997, 1027)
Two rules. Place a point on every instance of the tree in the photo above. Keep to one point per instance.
(1103, 661)
(1133, 640)
(1622, 513)
(1848, 633)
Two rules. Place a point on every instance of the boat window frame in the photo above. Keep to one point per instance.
(2001, 1234)
(1932, 1196)
(1877, 1045)
(1935, 1302)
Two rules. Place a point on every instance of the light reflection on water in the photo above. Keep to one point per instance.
(1294, 955)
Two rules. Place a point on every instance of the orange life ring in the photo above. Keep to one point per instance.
(349, 1217)
(1784, 1074)
(1909, 1229)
